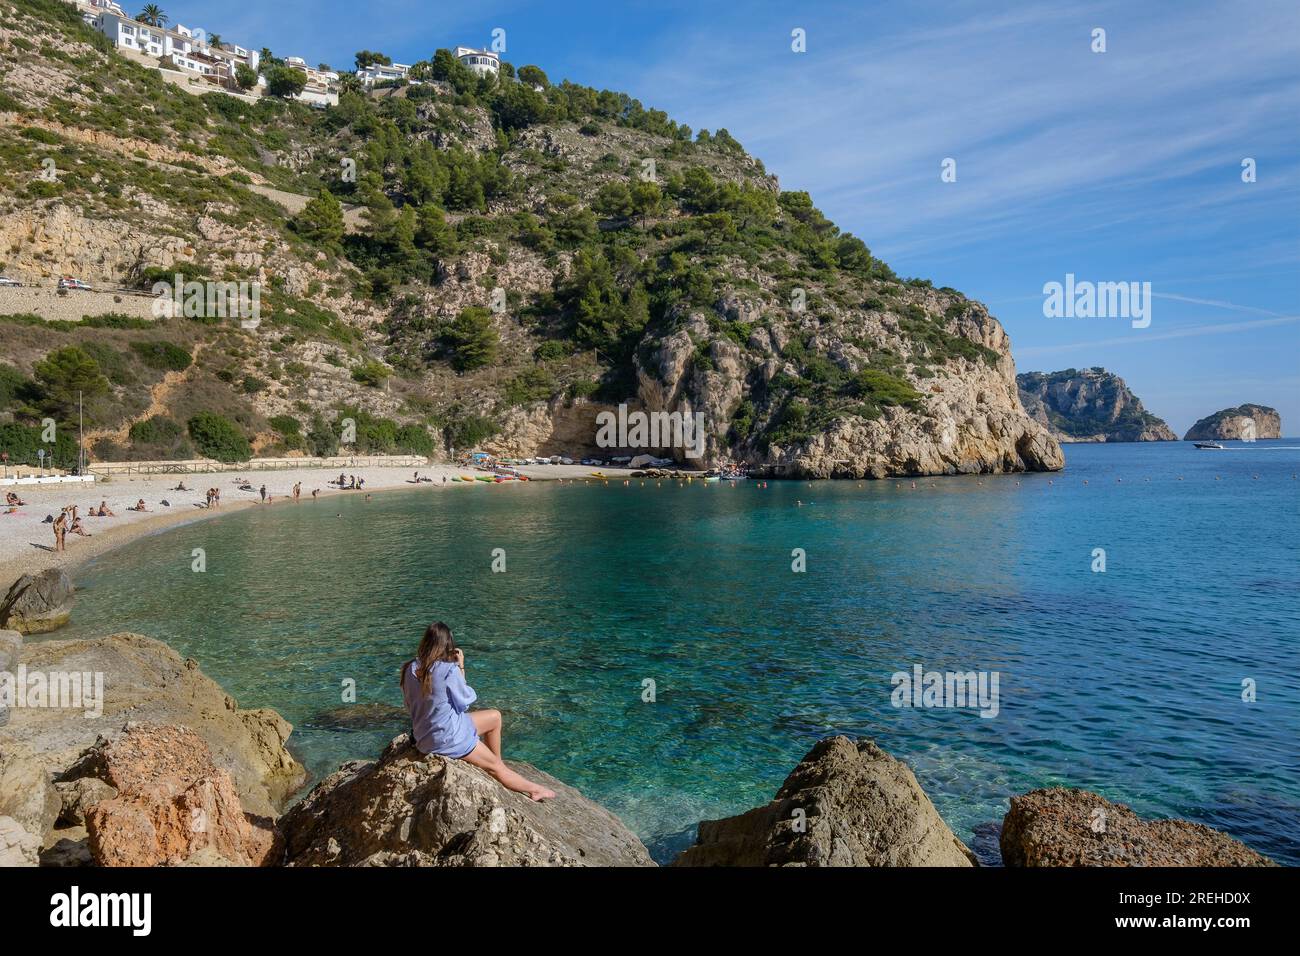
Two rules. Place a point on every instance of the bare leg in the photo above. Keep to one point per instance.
(488, 725)
(481, 757)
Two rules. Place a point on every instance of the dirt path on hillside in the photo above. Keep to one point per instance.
(158, 396)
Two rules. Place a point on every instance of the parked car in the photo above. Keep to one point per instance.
(67, 282)
(6, 281)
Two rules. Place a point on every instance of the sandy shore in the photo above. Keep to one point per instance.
(27, 543)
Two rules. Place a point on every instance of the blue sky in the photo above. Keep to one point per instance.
(1115, 166)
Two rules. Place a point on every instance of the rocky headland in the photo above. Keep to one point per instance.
(174, 773)
(1089, 405)
(1245, 422)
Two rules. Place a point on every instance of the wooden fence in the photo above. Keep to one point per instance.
(191, 466)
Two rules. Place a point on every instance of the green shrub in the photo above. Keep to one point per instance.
(219, 438)
(162, 356)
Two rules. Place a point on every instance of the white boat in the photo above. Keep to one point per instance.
(1209, 445)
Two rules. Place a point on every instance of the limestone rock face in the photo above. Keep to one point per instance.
(406, 809)
(1064, 827)
(18, 847)
(1245, 422)
(38, 603)
(171, 803)
(845, 804)
(11, 645)
(29, 803)
(146, 681)
(1089, 405)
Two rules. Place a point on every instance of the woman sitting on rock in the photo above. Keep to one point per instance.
(437, 697)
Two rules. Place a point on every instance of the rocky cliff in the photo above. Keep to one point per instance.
(1089, 405)
(1245, 422)
(503, 262)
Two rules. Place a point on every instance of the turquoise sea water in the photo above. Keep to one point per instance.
(1127, 682)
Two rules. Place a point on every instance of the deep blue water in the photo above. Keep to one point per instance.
(1127, 682)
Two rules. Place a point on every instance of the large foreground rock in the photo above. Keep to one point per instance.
(146, 681)
(410, 810)
(845, 804)
(38, 603)
(1063, 827)
(170, 803)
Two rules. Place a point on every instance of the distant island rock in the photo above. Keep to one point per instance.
(1089, 405)
(1237, 423)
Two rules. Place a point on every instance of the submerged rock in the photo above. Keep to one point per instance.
(1064, 827)
(406, 809)
(38, 603)
(365, 717)
(845, 804)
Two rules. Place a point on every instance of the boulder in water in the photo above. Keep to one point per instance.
(845, 804)
(1066, 827)
(38, 603)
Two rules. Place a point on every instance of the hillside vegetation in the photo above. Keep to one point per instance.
(473, 262)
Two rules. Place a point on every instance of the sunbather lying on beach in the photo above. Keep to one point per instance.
(438, 699)
(138, 506)
(13, 500)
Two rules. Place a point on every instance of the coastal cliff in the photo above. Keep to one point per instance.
(1245, 422)
(509, 260)
(1089, 405)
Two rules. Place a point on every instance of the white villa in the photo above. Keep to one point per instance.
(322, 87)
(186, 48)
(377, 73)
(482, 62)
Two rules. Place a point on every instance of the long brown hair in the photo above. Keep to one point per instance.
(436, 645)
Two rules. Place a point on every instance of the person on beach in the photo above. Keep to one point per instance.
(297, 491)
(78, 528)
(60, 530)
(180, 487)
(438, 699)
(263, 491)
(315, 492)
(138, 506)
(13, 500)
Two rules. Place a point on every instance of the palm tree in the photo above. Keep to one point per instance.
(152, 15)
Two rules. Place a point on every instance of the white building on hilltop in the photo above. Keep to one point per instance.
(382, 73)
(482, 62)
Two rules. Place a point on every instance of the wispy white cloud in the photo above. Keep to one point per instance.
(1142, 337)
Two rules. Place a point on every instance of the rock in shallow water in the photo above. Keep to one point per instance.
(1064, 827)
(38, 603)
(845, 804)
(406, 809)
